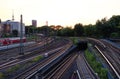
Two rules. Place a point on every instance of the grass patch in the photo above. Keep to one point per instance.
(37, 58)
(74, 40)
(18, 67)
(13, 69)
(32, 37)
(2, 76)
(97, 66)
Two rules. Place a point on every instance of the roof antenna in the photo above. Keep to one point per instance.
(12, 15)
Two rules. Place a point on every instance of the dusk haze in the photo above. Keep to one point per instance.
(59, 12)
(59, 39)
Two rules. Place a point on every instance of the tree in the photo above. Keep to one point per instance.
(30, 29)
(46, 30)
(78, 30)
(115, 20)
(66, 32)
(90, 30)
(104, 29)
(114, 35)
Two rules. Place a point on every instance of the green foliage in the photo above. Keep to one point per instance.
(46, 30)
(2, 76)
(90, 30)
(115, 20)
(67, 32)
(30, 29)
(6, 35)
(103, 28)
(114, 35)
(78, 30)
(13, 69)
(31, 37)
(37, 58)
(102, 72)
(74, 40)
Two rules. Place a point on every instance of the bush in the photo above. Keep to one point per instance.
(2, 76)
(74, 40)
(97, 66)
(37, 58)
(13, 69)
(114, 35)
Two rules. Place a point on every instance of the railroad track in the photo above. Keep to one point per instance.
(84, 69)
(97, 42)
(32, 51)
(31, 55)
(14, 53)
(27, 48)
(18, 61)
(60, 68)
(112, 65)
(111, 53)
(36, 67)
(113, 49)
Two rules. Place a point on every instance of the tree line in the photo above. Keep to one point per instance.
(104, 28)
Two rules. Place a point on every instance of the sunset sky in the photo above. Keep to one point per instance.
(59, 12)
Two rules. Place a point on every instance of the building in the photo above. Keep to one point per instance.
(8, 26)
(34, 23)
(0, 29)
(46, 23)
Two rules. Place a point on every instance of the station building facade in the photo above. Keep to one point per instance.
(8, 26)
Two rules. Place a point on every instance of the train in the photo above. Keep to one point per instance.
(12, 40)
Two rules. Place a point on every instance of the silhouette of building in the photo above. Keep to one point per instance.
(34, 23)
(1, 30)
(46, 23)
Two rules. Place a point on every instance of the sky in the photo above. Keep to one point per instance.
(59, 12)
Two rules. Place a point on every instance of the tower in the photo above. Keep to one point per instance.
(0, 28)
(46, 23)
(34, 23)
(0, 21)
(12, 15)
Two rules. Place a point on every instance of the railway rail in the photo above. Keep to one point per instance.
(35, 68)
(60, 68)
(113, 48)
(32, 54)
(84, 69)
(7, 55)
(111, 64)
(18, 61)
(111, 53)
(34, 50)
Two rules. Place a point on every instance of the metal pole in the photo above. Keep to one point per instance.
(21, 36)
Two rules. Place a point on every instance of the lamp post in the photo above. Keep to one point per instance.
(21, 36)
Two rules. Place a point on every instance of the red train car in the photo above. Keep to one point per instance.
(4, 41)
(7, 41)
(17, 40)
